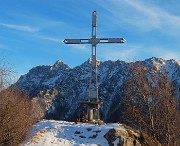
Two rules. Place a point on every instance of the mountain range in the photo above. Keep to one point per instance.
(58, 88)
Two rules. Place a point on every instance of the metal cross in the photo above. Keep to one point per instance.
(94, 40)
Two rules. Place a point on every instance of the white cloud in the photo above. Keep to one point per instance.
(156, 15)
(52, 39)
(127, 53)
(165, 53)
(80, 47)
(133, 52)
(19, 27)
(145, 16)
(171, 55)
(4, 48)
(1, 46)
(121, 54)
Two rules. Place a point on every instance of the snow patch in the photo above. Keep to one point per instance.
(62, 133)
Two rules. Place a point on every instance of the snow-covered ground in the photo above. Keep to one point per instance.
(63, 133)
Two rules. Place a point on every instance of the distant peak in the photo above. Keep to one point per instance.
(156, 58)
(58, 62)
(162, 61)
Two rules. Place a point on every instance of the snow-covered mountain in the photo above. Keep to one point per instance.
(59, 88)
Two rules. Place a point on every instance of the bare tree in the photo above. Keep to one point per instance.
(16, 111)
(151, 105)
(168, 113)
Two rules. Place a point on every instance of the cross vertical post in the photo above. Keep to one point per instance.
(93, 88)
(93, 85)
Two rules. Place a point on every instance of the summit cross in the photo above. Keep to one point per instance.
(93, 99)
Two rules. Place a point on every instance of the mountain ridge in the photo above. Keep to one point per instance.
(59, 88)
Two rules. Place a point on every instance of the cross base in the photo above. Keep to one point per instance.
(93, 110)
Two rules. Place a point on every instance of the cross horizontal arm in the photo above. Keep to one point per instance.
(94, 41)
(76, 41)
(111, 40)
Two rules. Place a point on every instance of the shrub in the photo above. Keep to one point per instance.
(16, 116)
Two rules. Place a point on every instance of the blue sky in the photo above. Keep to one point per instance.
(32, 31)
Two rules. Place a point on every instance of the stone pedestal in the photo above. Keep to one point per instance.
(92, 110)
(90, 113)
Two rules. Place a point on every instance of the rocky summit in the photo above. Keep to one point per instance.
(58, 88)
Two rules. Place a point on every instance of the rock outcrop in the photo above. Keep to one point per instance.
(129, 137)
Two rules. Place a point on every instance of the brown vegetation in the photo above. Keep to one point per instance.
(151, 105)
(16, 112)
(15, 116)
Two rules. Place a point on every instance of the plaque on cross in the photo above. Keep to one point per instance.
(93, 99)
